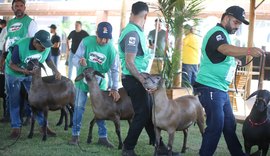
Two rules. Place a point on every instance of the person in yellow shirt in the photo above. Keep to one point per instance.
(190, 55)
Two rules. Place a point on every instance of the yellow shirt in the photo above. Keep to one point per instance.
(191, 49)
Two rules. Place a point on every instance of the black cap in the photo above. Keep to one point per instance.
(43, 37)
(53, 26)
(2, 21)
(238, 13)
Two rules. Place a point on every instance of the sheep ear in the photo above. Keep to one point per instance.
(79, 77)
(98, 74)
(42, 66)
(253, 94)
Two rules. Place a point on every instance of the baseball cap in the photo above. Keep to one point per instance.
(53, 26)
(43, 37)
(104, 30)
(2, 21)
(238, 13)
(23, 1)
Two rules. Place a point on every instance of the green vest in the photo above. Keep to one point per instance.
(141, 62)
(17, 28)
(217, 75)
(98, 57)
(25, 55)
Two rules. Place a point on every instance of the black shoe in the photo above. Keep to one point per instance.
(105, 142)
(128, 153)
(163, 150)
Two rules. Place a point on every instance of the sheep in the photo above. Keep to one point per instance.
(256, 127)
(104, 107)
(173, 115)
(44, 96)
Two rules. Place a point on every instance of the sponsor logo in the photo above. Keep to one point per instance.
(32, 57)
(15, 27)
(131, 41)
(105, 30)
(219, 38)
(97, 57)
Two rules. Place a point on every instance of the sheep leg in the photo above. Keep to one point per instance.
(66, 119)
(61, 118)
(89, 138)
(170, 143)
(185, 131)
(265, 149)
(44, 138)
(70, 110)
(30, 135)
(118, 131)
(157, 133)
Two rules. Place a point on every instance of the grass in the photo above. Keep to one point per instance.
(57, 146)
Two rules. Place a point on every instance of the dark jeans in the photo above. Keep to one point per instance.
(191, 70)
(142, 105)
(219, 118)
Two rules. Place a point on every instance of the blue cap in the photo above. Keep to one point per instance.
(104, 30)
(43, 37)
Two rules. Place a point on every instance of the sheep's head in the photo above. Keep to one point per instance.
(34, 65)
(152, 81)
(88, 73)
(262, 100)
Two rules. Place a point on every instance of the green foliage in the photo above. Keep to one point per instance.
(176, 13)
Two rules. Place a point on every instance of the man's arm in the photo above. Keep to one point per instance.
(78, 59)
(235, 51)
(32, 29)
(115, 73)
(51, 65)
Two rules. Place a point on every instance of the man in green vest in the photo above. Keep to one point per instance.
(135, 56)
(216, 72)
(22, 52)
(19, 27)
(98, 53)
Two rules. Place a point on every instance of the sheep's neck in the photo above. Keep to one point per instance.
(36, 78)
(161, 97)
(95, 92)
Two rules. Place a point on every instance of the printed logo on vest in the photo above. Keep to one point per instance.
(97, 57)
(131, 41)
(219, 38)
(31, 57)
(15, 27)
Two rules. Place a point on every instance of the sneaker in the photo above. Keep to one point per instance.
(128, 153)
(105, 142)
(74, 140)
(15, 133)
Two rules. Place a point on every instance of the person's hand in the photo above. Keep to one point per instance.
(28, 72)
(83, 62)
(115, 95)
(255, 52)
(58, 75)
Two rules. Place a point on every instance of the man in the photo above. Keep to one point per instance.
(190, 55)
(99, 53)
(135, 56)
(3, 34)
(215, 74)
(160, 39)
(19, 27)
(24, 50)
(75, 37)
(55, 39)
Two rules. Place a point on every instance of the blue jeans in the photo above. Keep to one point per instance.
(219, 118)
(55, 60)
(70, 65)
(13, 86)
(191, 70)
(80, 102)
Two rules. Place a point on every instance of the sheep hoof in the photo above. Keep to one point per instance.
(66, 128)
(30, 136)
(58, 124)
(70, 126)
(184, 150)
(44, 138)
(89, 140)
(120, 146)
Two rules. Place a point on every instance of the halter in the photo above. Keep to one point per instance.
(252, 123)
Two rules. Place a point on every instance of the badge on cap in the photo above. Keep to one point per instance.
(105, 30)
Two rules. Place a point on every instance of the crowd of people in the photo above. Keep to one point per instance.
(21, 41)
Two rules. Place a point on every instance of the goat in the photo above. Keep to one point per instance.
(173, 115)
(256, 127)
(104, 107)
(45, 96)
(3, 94)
